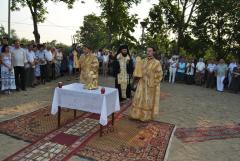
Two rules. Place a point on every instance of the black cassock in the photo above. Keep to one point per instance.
(116, 71)
(235, 84)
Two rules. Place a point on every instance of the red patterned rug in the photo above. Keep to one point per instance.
(201, 134)
(131, 141)
(32, 126)
(60, 144)
(52, 144)
(128, 140)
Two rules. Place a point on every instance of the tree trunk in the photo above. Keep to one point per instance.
(109, 38)
(179, 39)
(35, 31)
(33, 10)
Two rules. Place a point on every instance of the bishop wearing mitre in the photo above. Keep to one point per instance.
(88, 67)
(148, 73)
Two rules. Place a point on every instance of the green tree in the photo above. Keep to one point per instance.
(218, 24)
(174, 16)
(25, 41)
(120, 24)
(160, 42)
(93, 32)
(38, 11)
(52, 43)
(13, 34)
(2, 31)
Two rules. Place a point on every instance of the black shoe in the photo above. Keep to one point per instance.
(24, 89)
(17, 89)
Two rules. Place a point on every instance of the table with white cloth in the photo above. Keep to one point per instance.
(74, 96)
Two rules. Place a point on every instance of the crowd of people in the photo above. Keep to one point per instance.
(210, 73)
(34, 64)
(23, 66)
(31, 65)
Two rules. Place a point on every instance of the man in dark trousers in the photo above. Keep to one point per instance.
(19, 58)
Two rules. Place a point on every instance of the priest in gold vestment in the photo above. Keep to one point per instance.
(149, 74)
(88, 66)
(75, 59)
(123, 70)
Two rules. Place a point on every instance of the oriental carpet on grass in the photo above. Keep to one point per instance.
(202, 134)
(128, 140)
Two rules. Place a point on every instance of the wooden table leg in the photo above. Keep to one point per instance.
(113, 119)
(101, 130)
(75, 114)
(59, 116)
(101, 126)
(60, 84)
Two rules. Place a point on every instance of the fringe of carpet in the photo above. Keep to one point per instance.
(169, 144)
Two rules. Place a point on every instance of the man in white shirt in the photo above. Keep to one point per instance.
(105, 63)
(59, 58)
(211, 79)
(19, 58)
(42, 61)
(54, 61)
(30, 66)
(221, 72)
(172, 69)
(200, 71)
(100, 57)
(231, 66)
(49, 58)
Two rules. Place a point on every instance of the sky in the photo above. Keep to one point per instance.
(61, 23)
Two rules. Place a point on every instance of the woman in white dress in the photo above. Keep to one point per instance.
(7, 71)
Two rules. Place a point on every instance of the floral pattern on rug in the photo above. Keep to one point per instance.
(58, 145)
(32, 126)
(132, 140)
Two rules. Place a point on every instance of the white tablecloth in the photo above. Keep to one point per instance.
(73, 96)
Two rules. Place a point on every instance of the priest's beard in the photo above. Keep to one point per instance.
(124, 54)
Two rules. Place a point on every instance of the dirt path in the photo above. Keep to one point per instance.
(183, 105)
